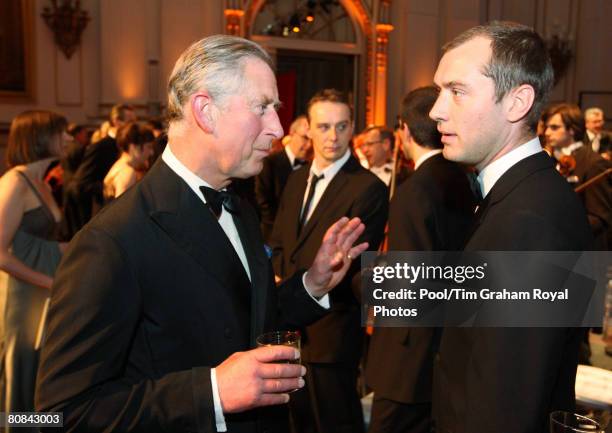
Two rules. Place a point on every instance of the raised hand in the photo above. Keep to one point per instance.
(335, 255)
(258, 377)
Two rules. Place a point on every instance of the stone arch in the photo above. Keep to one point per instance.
(362, 21)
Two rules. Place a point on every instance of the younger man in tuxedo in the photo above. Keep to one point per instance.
(333, 186)
(493, 81)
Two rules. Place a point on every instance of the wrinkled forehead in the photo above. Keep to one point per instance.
(258, 79)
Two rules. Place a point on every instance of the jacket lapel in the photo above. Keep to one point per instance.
(296, 200)
(507, 182)
(330, 195)
(258, 267)
(189, 223)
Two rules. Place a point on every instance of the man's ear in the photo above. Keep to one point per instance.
(386, 145)
(203, 111)
(518, 102)
(405, 133)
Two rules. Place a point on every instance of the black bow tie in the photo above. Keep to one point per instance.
(298, 162)
(218, 199)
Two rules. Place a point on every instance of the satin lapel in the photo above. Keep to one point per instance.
(331, 194)
(185, 219)
(258, 267)
(507, 182)
(296, 201)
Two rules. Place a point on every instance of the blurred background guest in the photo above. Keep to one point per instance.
(136, 144)
(565, 132)
(83, 197)
(596, 137)
(271, 181)
(29, 253)
(377, 146)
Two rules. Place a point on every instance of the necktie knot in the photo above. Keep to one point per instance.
(314, 179)
(216, 200)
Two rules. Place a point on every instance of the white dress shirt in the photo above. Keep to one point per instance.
(594, 139)
(227, 224)
(489, 175)
(328, 175)
(384, 172)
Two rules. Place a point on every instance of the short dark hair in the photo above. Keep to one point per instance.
(572, 118)
(328, 95)
(118, 112)
(385, 134)
(519, 56)
(31, 134)
(133, 133)
(415, 113)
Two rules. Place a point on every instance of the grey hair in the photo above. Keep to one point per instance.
(519, 56)
(215, 63)
(593, 111)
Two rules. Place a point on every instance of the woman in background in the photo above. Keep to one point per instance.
(29, 253)
(135, 141)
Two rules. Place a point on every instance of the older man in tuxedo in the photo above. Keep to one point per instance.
(599, 139)
(158, 302)
(493, 81)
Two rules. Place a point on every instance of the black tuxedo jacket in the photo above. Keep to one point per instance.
(149, 296)
(499, 380)
(431, 210)
(353, 192)
(98, 159)
(597, 198)
(269, 185)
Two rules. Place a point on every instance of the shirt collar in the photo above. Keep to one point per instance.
(191, 179)
(290, 155)
(386, 167)
(591, 135)
(489, 175)
(330, 171)
(425, 157)
(568, 150)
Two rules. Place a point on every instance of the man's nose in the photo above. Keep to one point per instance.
(274, 125)
(333, 134)
(438, 111)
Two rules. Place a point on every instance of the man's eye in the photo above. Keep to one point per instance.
(456, 92)
(262, 109)
(342, 127)
(323, 128)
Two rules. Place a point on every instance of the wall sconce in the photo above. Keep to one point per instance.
(67, 23)
(560, 52)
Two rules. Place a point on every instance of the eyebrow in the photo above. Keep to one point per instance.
(454, 83)
(329, 123)
(265, 100)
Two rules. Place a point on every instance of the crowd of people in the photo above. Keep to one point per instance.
(189, 241)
